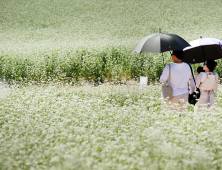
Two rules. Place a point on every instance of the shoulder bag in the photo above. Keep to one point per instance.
(192, 99)
(167, 90)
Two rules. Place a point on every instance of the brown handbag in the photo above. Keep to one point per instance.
(167, 90)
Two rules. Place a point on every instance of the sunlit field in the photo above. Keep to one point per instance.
(104, 127)
(69, 91)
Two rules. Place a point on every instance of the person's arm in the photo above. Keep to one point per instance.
(192, 77)
(198, 82)
(217, 79)
(162, 80)
(192, 86)
(165, 75)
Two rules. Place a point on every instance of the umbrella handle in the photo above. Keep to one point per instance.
(203, 53)
(163, 60)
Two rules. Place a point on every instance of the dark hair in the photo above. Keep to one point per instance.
(211, 64)
(200, 69)
(178, 54)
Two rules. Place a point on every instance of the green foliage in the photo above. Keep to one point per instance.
(91, 65)
(96, 66)
(93, 40)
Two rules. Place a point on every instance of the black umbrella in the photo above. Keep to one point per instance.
(160, 43)
(203, 49)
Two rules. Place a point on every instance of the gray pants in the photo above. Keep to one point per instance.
(207, 97)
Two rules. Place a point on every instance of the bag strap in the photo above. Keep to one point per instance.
(215, 76)
(216, 82)
(169, 75)
(192, 74)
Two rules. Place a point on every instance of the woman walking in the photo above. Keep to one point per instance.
(207, 82)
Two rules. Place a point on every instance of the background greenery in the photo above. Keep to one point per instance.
(93, 39)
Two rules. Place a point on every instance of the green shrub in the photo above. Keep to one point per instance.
(110, 64)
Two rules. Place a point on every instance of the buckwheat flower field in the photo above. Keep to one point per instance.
(93, 39)
(69, 91)
(105, 127)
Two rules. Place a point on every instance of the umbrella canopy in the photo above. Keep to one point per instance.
(203, 49)
(160, 43)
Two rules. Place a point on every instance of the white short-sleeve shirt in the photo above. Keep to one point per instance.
(180, 74)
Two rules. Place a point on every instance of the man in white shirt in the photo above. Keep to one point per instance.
(180, 75)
